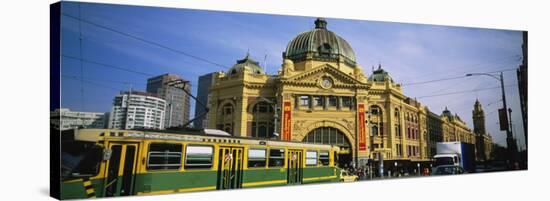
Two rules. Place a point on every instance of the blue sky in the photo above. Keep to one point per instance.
(411, 53)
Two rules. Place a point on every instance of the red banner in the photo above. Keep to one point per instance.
(361, 124)
(287, 125)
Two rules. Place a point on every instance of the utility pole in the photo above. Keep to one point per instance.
(182, 84)
(128, 101)
(510, 142)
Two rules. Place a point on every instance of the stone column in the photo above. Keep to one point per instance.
(240, 116)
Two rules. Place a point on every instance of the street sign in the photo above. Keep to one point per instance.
(503, 119)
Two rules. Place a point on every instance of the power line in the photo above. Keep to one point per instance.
(503, 70)
(430, 81)
(451, 78)
(90, 82)
(102, 80)
(108, 65)
(462, 92)
(146, 41)
(499, 100)
(463, 69)
(81, 63)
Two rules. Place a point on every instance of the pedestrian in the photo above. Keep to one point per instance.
(426, 172)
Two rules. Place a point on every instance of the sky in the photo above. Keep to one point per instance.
(411, 53)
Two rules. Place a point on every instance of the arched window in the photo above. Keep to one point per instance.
(375, 110)
(396, 113)
(227, 109)
(397, 120)
(225, 122)
(398, 130)
(262, 107)
(263, 124)
(374, 130)
(327, 135)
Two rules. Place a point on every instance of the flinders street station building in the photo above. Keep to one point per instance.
(321, 95)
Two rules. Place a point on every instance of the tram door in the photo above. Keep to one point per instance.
(120, 169)
(230, 168)
(295, 166)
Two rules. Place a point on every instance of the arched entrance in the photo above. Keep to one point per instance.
(332, 136)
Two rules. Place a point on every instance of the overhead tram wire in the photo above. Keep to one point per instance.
(464, 92)
(90, 82)
(452, 78)
(146, 41)
(497, 101)
(464, 69)
(108, 65)
(81, 63)
(430, 81)
(103, 80)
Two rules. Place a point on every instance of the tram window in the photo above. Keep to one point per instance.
(80, 159)
(198, 157)
(311, 158)
(276, 157)
(164, 156)
(324, 158)
(256, 158)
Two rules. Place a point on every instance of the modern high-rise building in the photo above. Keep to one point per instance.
(205, 82)
(177, 101)
(137, 110)
(65, 119)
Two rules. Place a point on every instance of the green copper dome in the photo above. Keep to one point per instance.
(248, 63)
(321, 44)
(380, 75)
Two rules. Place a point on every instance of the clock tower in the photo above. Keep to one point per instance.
(479, 130)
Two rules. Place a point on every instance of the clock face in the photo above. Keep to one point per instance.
(326, 83)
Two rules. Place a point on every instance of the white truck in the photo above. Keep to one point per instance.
(456, 153)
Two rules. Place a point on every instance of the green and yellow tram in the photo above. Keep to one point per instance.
(105, 163)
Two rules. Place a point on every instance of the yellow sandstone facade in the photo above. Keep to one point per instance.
(321, 95)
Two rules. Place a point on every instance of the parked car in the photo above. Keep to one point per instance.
(347, 177)
(482, 168)
(496, 166)
(448, 170)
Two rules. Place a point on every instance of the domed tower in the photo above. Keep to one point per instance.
(380, 75)
(246, 64)
(311, 48)
(447, 113)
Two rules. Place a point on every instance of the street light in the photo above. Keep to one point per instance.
(509, 136)
(395, 168)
